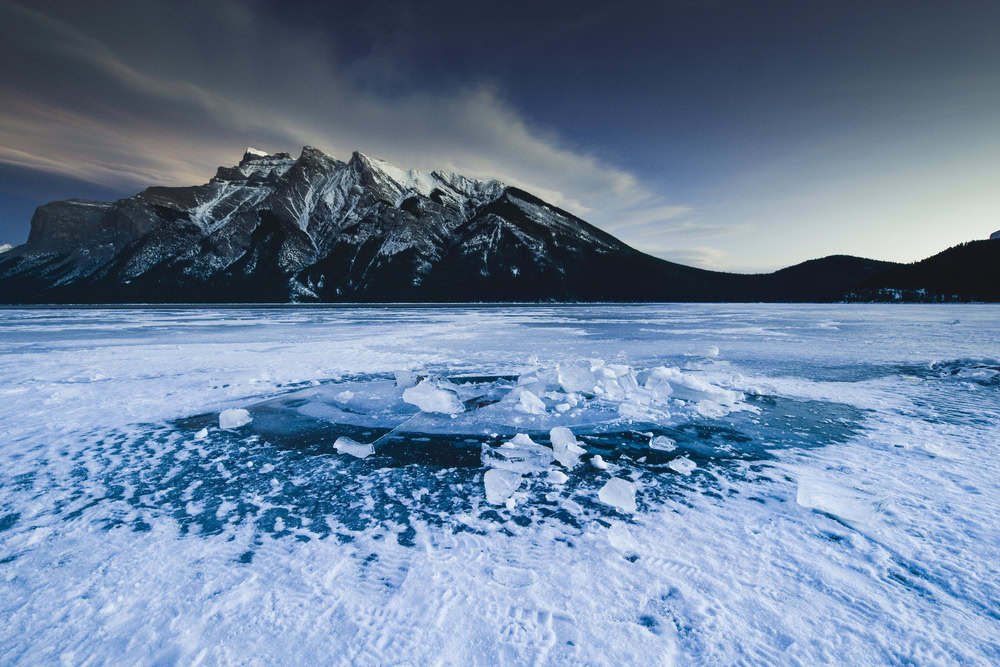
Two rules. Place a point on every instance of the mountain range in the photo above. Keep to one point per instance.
(278, 229)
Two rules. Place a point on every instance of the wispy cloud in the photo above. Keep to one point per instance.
(164, 104)
(701, 256)
(690, 229)
(652, 214)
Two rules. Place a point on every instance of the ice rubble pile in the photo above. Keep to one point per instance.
(546, 399)
(642, 395)
(509, 462)
(520, 456)
(645, 395)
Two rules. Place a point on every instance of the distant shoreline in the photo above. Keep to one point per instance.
(474, 304)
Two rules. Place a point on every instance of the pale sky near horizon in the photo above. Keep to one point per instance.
(726, 134)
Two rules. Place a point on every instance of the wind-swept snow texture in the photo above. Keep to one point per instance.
(488, 485)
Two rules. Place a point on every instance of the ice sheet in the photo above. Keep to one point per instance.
(841, 508)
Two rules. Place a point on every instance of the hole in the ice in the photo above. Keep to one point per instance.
(282, 476)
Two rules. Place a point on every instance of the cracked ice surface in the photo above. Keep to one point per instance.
(592, 484)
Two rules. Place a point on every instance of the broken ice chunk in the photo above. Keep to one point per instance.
(344, 396)
(201, 435)
(683, 465)
(541, 382)
(576, 377)
(234, 418)
(405, 378)
(433, 397)
(562, 407)
(840, 501)
(565, 447)
(686, 387)
(659, 389)
(500, 485)
(618, 493)
(628, 382)
(521, 454)
(530, 404)
(598, 462)
(557, 477)
(607, 383)
(526, 401)
(360, 450)
(663, 443)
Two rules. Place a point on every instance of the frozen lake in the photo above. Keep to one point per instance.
(472, 485)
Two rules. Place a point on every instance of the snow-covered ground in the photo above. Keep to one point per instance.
(551, 485)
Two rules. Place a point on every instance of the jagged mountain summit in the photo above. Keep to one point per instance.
(279, 229)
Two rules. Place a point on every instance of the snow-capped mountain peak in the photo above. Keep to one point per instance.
(274, 227)
(411, 182)
(390, 178)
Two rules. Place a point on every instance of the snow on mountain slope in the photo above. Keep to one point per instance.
(312, 225)
(209, 228)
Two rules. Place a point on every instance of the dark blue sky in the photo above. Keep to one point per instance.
(743, 135)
